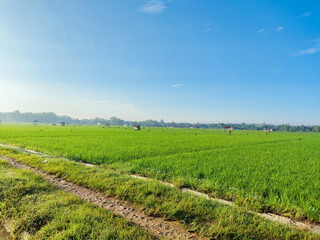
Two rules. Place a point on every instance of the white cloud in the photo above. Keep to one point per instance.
(177, 85)
(261, 30)
(308, 51)
(208, 27)
(153, 7)
(279, 29)
(304, 15)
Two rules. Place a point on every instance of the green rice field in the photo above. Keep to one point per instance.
(278, 173)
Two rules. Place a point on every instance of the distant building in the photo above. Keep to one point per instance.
(227, 129)
(267, 131)
(35, 122)
(62, 123)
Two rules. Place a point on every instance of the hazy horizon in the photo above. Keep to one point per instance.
(181, 61)
(166, 121)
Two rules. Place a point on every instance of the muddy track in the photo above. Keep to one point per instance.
(269, 216)
(157, 226)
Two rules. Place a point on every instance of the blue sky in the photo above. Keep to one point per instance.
(178, 60)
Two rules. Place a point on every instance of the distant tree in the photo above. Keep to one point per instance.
(264, 126)
(116, 121)
(50, 117)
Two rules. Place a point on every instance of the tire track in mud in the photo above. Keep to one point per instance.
(155, 225)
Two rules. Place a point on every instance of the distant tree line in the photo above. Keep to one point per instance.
(50, 117)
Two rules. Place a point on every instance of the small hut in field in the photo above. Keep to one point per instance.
(267, 131)
(137, 127)
(227, 129)
(62, 124)
(35, 122)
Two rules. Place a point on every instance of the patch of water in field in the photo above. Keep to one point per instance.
(4, 234)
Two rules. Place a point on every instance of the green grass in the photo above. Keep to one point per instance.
(197, 214)
(281, 178)
(40, 209)
(279, 172)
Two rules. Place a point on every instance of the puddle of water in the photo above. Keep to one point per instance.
(4, 234)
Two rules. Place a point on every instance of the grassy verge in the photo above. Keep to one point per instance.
(197, 214)
(40, 209)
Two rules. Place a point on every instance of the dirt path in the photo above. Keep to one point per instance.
(158, 226)
(269, 216)
(4, 234)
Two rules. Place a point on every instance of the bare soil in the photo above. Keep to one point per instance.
(4, 234)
